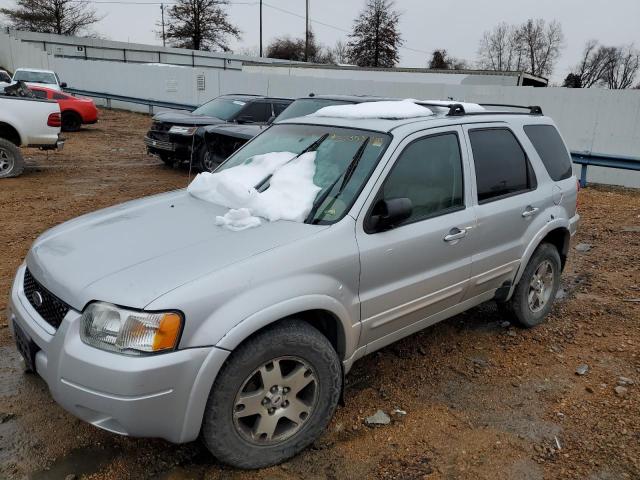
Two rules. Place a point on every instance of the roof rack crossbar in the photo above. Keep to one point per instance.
(455, 109)
(533, 109)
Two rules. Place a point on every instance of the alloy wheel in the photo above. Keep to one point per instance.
(541, 286)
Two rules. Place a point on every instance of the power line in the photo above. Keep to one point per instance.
(274, 7)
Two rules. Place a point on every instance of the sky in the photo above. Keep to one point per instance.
(455, 25)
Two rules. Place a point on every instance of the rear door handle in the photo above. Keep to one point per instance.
(530, 211)
(455, 234)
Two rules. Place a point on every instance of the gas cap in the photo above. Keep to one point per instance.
(557, 194)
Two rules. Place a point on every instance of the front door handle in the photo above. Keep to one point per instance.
(530, 211)
(455, 234)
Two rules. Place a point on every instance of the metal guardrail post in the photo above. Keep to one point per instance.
(150, 109)
(583, 175)
(109, 103)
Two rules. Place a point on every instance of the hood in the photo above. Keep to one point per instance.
(245, 131)
(186, 119)
(133, 253)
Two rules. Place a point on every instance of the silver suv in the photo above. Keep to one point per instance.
(148, 319)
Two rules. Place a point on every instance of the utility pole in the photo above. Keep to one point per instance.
(260, 28)
(163, 39)
(306, 43)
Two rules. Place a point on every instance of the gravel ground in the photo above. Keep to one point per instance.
(483, 399)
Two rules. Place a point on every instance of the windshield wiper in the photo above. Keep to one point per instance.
(348, 173)
(261, 186)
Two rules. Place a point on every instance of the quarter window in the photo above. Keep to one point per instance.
(256, 112)
(501, 165)
(551, 149)
(429, 173)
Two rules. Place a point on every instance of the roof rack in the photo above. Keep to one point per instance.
(533, 109)
(457, 109)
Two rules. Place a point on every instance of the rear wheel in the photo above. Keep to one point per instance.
(533, 297)
(274, 397)
(71, 121)
(11, 161)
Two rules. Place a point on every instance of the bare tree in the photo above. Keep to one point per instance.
(594, 62)
(542, 43)
(532, 47)
(441, 60)
(200, 25)
(63, 17)
(622, 67)
(340, 52)
(376, 38)
(501, 50)
(287, 48)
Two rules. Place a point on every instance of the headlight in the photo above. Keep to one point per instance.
(183, 130)
(129, 332)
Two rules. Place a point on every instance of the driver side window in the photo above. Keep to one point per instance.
(429, 173)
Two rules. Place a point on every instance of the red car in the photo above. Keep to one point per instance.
(76, 111)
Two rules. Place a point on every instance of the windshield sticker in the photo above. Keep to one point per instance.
(238, 102)
(377, 141)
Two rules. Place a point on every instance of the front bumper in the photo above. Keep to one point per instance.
(162, 395)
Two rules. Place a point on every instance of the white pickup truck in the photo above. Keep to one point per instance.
(26, 122)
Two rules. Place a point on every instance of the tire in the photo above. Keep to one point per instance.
(207, 160)
(71, 122)
(11, 161)
(531, 302)
(297, 353)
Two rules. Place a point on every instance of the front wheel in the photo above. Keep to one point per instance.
(533, 297)
(274, 396)
(207, 160)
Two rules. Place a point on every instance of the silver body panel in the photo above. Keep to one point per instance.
(165, 252)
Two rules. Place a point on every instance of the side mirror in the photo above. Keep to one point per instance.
(63, 85)
(387, 214)
(271, 119)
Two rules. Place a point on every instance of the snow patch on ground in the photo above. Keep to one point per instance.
(390, 109)
(290, 194)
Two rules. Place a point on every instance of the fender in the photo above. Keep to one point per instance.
(555, 224)
(350, 331)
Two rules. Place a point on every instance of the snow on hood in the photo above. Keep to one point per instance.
(394, 109)
(290, 194)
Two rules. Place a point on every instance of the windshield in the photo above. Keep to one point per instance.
(336, 150)
(35, 77)
(305, 106)
(222, 108)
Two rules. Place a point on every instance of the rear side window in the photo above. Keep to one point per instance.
(256, 112)
(278, 108)
(502, 168)
(60, 96)
(553, 153)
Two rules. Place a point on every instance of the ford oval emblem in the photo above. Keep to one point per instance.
(37, 299)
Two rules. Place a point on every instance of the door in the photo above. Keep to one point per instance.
(422, 266)
(507, 201)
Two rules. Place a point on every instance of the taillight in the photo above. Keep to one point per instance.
(54, 120)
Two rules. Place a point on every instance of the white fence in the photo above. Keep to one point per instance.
(593, 120)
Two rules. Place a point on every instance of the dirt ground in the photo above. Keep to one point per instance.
(483, 399)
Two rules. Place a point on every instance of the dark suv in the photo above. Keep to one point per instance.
(179, 137)
(224, 139)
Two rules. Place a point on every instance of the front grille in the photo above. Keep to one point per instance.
(151, 142)
(50, 307)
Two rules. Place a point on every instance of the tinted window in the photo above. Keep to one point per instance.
(279, 107)
(39, 93)
(255, 112)
(4, 77)
(550, 147)
(429, 173)
(501, 165)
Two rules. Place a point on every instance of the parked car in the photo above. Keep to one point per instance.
(5, 78)
(179, 137)
(224, 139)
(34, 77)
(26, 122)
(76, 111)
(246, 343)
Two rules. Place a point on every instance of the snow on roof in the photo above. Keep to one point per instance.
(385, 109)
